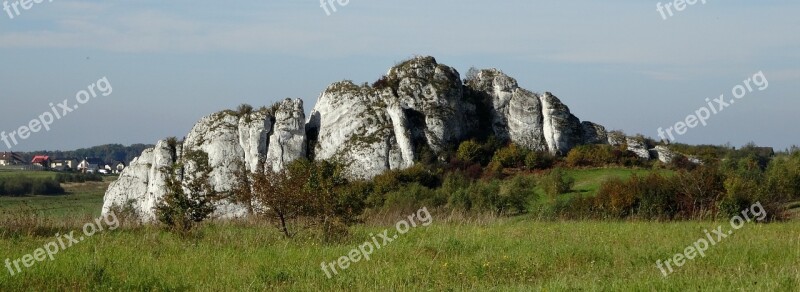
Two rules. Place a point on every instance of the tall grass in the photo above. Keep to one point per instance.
(486, 254)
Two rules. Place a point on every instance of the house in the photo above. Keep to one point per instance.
(764, 151)
(119, 167)
(10, 158)
(115, 167)
(64, 164)
(90, 165)
(41, 160)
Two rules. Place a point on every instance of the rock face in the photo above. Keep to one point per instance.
(664, 154)
(230, 139)
(534, 121)
(638, 146)
(141, 185)
(419, 109)
(418, 106)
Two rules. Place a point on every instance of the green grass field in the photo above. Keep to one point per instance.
(82, 199)
(452, 254)
(31, 174)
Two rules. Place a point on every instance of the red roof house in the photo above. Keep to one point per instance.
(41, 160)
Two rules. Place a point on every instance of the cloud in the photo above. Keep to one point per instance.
(541, 32)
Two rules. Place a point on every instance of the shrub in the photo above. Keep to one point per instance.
(681, 162)
(189, 199)
(469, 151)
(483, 195)
(78, 177)
(700, 189)
(514, 194)
(539, 160)
(413, 197)
(22, 185)
(510, 156)
(46, 187)
(657, 196)
(454, 188)
(651, 197)
(244, 110)
(740, 193)
(591, 155)
(556, 182)
(616, 198)
(493, 171)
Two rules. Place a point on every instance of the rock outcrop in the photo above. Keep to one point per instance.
(419, 108)
(534, 121)
(142, 184)
(231, 140)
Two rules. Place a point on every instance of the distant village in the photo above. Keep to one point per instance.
(14, 161)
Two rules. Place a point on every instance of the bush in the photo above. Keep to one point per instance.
(413, 197)
(658, 199)
(514, 194)
(650, 197)
(22, 186)
(469, 151)
(510, 156)
(395, 180)
(189, 199)
(46, 187)
(616, 198)
(556, 182)
(493, 171)
(539, 160)
(454, 188)
(483, 195)
(591, 155)
(740, 193)
(699, 190)
(78, 177)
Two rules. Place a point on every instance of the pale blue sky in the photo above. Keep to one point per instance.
(617, 63)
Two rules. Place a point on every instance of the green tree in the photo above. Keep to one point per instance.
(281, 196)
(189, 197)
(470, 151)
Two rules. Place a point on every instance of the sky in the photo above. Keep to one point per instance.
(621, 64)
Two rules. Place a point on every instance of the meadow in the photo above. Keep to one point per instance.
(455, 253)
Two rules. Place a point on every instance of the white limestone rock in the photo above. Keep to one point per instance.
(229, 140)
(638, 147)
(594, 133)
(374, 129)
(419, 106)
(516, 113)
(664, 154)
(433, 92)
(533, 121)
(353, 125)
(142, 184)
(288, 140)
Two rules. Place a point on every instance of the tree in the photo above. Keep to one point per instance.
(189, 197)
(281, 196)
(556, 182)
(242, 191)
(701, 188)
(469, 151)
(333, 209)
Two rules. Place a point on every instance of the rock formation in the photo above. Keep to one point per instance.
(420, 106)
